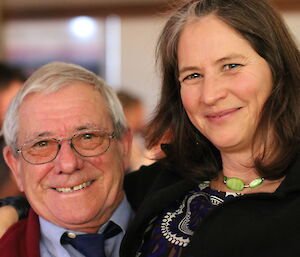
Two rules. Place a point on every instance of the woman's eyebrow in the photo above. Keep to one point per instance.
(188, 68)
(220, 60)
(230, 57)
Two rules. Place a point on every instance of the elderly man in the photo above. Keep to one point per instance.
(67, 146)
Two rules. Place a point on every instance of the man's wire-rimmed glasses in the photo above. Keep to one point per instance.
(87, 143)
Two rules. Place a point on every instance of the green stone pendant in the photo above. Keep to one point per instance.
(237, 184)
(256, 182)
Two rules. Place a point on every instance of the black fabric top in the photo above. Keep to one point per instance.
(259, 224)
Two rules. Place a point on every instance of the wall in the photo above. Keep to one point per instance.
(292, 19)
(138, 72)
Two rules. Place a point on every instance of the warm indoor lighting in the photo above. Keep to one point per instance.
(83, 27)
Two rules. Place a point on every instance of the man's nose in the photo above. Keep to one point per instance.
(67, 160)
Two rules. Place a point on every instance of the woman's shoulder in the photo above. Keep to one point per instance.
(139, 183)
(148, 174)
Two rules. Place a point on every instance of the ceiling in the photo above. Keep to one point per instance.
(54, 8)
(12, 9)
(67, 3)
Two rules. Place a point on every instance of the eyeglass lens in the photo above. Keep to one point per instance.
(86, 144)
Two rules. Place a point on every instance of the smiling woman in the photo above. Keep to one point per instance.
(223, 89)
(217, 63)
(230, 119)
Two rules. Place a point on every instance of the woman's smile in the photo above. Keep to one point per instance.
(222, 115)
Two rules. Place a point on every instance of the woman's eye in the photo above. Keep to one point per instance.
(192, 76)
(231, 66)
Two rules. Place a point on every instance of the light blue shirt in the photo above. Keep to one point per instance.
(50, 235)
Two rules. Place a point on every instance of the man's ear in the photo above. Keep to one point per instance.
(13, 164)
(126, 142)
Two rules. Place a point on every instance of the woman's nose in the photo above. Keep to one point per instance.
(213, 89)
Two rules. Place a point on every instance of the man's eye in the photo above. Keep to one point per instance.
(41, 144)
(192, 76)
(88, 136)
(91, 136)
(231, 66)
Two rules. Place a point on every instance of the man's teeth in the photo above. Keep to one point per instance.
(72, 189)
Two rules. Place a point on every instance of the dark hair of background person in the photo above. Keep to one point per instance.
(128, 100)
(7, 184)
(9, 74)
(265, 31)
(134, 111)
(11, 79)
(4, 170)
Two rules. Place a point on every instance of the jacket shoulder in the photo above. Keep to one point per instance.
(140, 183)
(22, 238)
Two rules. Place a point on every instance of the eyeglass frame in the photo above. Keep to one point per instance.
(59, 144)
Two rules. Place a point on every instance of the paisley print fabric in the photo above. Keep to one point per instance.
(172, 231)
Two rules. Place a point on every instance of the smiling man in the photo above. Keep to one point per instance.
(67, 146)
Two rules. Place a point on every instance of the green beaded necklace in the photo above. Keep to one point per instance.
(237, 184)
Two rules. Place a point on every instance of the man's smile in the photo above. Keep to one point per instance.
(74, 188)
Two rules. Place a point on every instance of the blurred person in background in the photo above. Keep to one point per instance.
(134, 111)
(8, 185)
(11, 80)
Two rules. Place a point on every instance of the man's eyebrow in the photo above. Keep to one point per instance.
(87, 126)
(49, 134)
(43, 134)
(37, 135)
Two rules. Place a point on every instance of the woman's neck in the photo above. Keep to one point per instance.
(241, 166)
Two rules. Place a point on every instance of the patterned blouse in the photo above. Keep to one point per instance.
(172, 231)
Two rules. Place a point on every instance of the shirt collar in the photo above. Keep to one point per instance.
(51, 233)
(122, 215)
